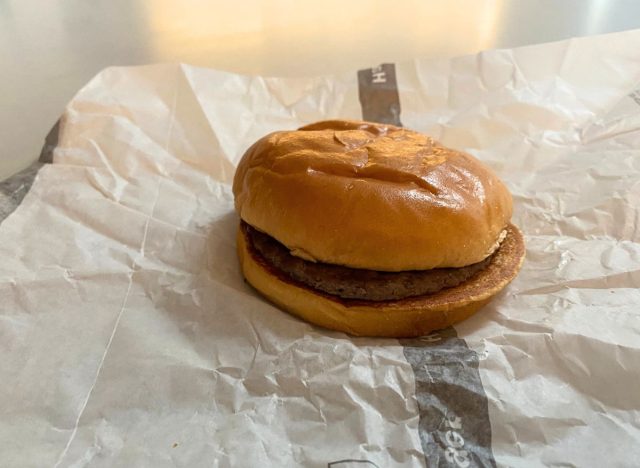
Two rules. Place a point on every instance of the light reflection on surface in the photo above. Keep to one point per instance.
(48, 50)
(285, 37)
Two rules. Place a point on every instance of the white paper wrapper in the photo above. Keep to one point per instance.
(129, 338)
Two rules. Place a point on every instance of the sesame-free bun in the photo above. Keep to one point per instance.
(409, 317)
(372, 196)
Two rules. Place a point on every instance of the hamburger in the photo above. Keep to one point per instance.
(372, 229)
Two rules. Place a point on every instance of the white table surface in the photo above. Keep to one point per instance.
(49, 49)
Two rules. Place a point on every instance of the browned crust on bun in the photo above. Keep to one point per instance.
(415, 316)
(371, 196)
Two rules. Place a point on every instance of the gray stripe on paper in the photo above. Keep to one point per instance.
(454, 426)
(378, 92)
(454, 423)
(15, 188)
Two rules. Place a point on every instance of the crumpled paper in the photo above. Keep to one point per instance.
(129, 338)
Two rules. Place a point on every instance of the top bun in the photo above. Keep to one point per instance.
(373, 196)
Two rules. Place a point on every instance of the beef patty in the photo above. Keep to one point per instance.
(355, 283)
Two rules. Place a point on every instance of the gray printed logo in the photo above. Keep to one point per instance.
(378, 92)
(454, 423)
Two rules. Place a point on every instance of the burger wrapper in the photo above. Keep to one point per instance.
(129, 338)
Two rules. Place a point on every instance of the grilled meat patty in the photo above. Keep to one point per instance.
(354, 283)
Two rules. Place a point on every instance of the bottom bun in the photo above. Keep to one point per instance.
(410, 317)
